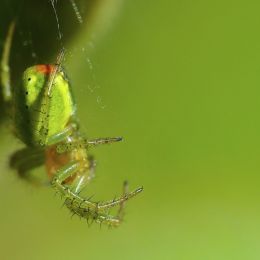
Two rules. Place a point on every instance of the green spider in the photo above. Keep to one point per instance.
(45, 120)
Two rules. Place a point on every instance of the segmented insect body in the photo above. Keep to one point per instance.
(45, 120)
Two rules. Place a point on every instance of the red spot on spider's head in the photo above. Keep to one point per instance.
(45, 69)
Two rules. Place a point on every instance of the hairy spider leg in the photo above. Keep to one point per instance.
(45, 109)
(87, 143)
(81, 181)
(111, 221)
(120, 212)
(85, 207)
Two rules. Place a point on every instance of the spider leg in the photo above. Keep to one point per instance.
(61, 136)
(119, 201)
(97, 211)
(85, 143)
(120, 212)
(5, 70)
(83, 179)
(89, 215)
(45, 106)
(106, 140)
(61, 176)
(25, 160)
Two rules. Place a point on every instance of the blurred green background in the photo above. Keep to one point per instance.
(180, 81)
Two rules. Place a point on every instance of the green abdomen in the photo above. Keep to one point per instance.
(38, 117)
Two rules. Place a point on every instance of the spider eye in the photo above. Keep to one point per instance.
(26, 92)
(29, 79)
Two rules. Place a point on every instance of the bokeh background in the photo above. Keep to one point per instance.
(180, 81)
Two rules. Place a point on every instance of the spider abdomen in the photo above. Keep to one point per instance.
(33, 120)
